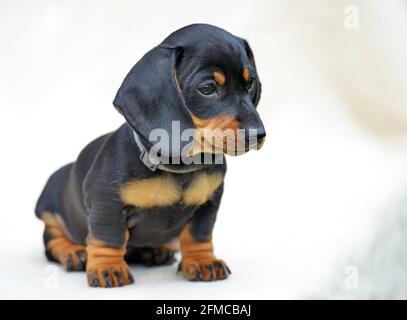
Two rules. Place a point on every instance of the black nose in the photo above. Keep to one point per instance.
(255, 135)
(255, 138)
(261, 134)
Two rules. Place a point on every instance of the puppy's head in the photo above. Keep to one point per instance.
(201, 78)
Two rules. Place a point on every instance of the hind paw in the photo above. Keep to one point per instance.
(150, 257)
(71, 256)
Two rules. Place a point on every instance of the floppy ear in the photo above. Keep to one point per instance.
(257, 89)
(150, 98)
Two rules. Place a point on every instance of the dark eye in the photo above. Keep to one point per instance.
(207, 89)
(249, 83)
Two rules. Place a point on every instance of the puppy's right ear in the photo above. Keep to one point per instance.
(150, 97)
(256, 93)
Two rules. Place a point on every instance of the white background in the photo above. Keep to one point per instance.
(319, 212)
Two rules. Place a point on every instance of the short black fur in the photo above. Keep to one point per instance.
(160, 88)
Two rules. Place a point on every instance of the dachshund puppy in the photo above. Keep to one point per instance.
(131, 198)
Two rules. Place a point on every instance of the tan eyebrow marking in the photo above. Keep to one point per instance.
(246, 74)
(219, 77)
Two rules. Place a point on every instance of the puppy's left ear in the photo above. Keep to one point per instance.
(256, 92)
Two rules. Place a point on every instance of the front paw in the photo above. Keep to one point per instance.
(75, 261)
(204, 270)
(109, 275)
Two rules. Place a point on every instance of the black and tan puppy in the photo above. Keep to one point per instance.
(117, 205)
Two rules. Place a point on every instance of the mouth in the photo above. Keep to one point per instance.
(224, 135)
(247, 148)
(218, 142)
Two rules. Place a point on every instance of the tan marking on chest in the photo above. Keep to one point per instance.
(202, 188)
(160, 191)
(164, 191)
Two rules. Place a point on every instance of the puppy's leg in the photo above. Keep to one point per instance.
(106, 248)
(59, 248)
(198, 260)
(106, 266)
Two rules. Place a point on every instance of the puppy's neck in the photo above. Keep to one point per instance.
(155, 164)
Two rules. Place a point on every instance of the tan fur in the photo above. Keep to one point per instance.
(220, 127)
(172, 245)
(99, 254)
(198, 260)
(174, 74)
(202, 189)
(221, 121)
(60, 246)
(52, 224)
(164, 191)
(219, 77)
(191, 249)
(103, 259)
(147, 193)
(246, 74)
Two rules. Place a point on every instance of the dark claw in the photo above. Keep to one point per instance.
(81, 265)
(119, 278)
(224, 268)
(198, 276)
(94, 283)
(225, 272)
(108, 280)
(69, 264)
(227, 268)
(211, 269)
(130, 277)
(82, 256)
